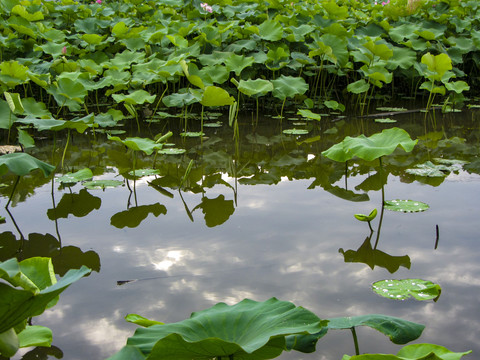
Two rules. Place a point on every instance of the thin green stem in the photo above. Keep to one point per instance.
(13, 191)
(66, 146)
(355, 341)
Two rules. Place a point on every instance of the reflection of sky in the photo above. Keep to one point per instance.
(282, 241)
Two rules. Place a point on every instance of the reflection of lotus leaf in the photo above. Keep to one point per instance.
(78, 205)
(135, 215)
(217, 210)
(372, 257)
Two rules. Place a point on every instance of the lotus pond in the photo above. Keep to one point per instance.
(267, 215)
(237, 157)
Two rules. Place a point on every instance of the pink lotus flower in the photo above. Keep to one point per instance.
(98, 1)
(205, 7)
(64, 50)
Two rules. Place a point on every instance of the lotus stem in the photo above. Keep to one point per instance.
(13, 191)
(66, 146)
(355, 341)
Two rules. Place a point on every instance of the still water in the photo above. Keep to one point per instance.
(271, 218)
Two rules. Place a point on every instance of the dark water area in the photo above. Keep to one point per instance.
(265, 217)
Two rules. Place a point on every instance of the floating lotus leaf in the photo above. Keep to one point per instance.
(72, 178)
(173, 151)
(102, 184)
(295, 131)
(385, 120)
(22, 163)
(192, 134)
(405, 288)
(371, 148)
(138, 173)
(247, 330)
(429, 169)
(407, 206)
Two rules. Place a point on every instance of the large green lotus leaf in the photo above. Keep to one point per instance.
(405, 288)
(237, 63)
(135, 98)
(399, 331)
(22, 163)
(270, 30)
(437, 64)
(358, 87)
(17, 305)
(179, 99)
(417, 351)
(258, 87)
(371, 148)
(148, 146)
(128, 352)
(56, 125)
(71, 89)
(246, 330)
(135, 215)
(288, 86)
(216, 96)
(35, 336)
(9, 343)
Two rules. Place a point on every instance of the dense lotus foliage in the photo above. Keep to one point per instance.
(135, 56)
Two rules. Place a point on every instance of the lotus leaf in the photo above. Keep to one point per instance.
(258, 87)
(22, 163)
(369, 217)
(407, 206)
(430, 170)
(146, 145)
(399, 331)
(370, 148)
(72, 178)
(288, 86)
(414, 352)
(102, 184)
(216, 96)
(403, 289)
(309, 114)
(246, 330)
(138, 173)
(295, 131)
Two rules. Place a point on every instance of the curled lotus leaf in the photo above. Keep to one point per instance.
(371, 148)
(22, 163)
(246, 330)
(405, 288)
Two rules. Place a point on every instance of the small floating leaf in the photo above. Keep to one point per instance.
(144, 172)
(102, 184)
(403, 289)
(385, 108)
(385, 120)
(406, 205)
(429, 169)
(309, 114)
(295, 131)
(192, 134)
(80, 175)
(172, 151)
